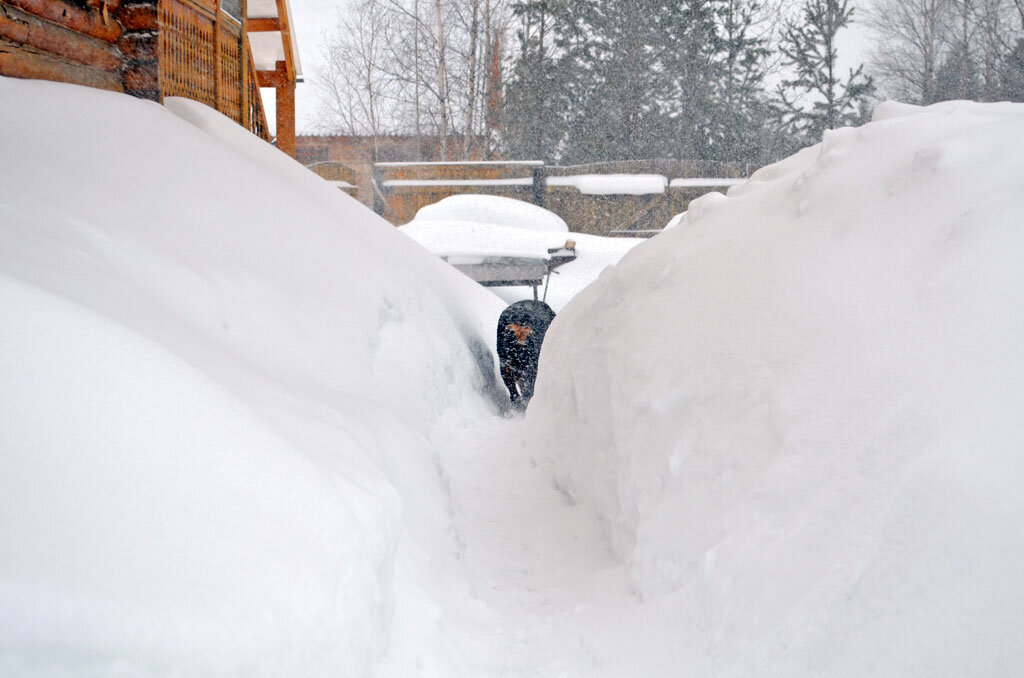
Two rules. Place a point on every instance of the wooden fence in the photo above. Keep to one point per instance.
(340, 176)
(401, 189)
(627, 213)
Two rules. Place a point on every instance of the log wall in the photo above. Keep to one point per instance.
(55, 40)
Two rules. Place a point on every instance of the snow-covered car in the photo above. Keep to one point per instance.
(509, 245)
(496, 241)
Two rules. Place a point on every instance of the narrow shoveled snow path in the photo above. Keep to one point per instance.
(561, 604)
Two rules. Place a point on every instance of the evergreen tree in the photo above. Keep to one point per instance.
(614, 82)
(741, 129)
(958, 76)
(693, 65)
(635, 79)
(1013, 73)
(534, 98)
(809, 47)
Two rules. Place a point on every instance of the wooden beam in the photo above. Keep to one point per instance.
(285, 111)
(140, 45)
(143, 81)
(21, 61)
(70, 16)
(19, 26)
(133, 17)
(263, 24)
(269, 79)
(286, 37)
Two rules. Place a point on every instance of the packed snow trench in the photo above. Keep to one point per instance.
(249, 428)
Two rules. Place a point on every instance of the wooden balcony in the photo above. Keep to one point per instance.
(199, 49)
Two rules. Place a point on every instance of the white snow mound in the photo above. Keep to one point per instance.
(220, 379)
(799, 411)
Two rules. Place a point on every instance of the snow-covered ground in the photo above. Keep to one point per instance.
(249, 428)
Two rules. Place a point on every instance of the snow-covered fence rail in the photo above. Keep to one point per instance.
(614, 198)
(635, 197)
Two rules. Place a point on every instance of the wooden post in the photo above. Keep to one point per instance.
(285, 88)
(539, 186)
(140, 45)
(243, 49)
(377, 182)
(218, 80)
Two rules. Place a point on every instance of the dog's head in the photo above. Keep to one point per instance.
(522, 332)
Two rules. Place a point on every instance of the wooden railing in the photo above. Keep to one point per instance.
(230, 82)
(205, 56)
(255, 118)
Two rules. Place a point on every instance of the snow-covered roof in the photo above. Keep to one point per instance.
(262, 9)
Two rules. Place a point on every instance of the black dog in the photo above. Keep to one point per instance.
(521, 330)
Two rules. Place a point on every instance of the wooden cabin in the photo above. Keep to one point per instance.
(218, 52)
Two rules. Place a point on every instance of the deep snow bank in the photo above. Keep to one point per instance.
(220, 379)
(799, 410)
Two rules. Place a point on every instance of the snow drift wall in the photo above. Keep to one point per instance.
(220, 377)
(798, 412)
